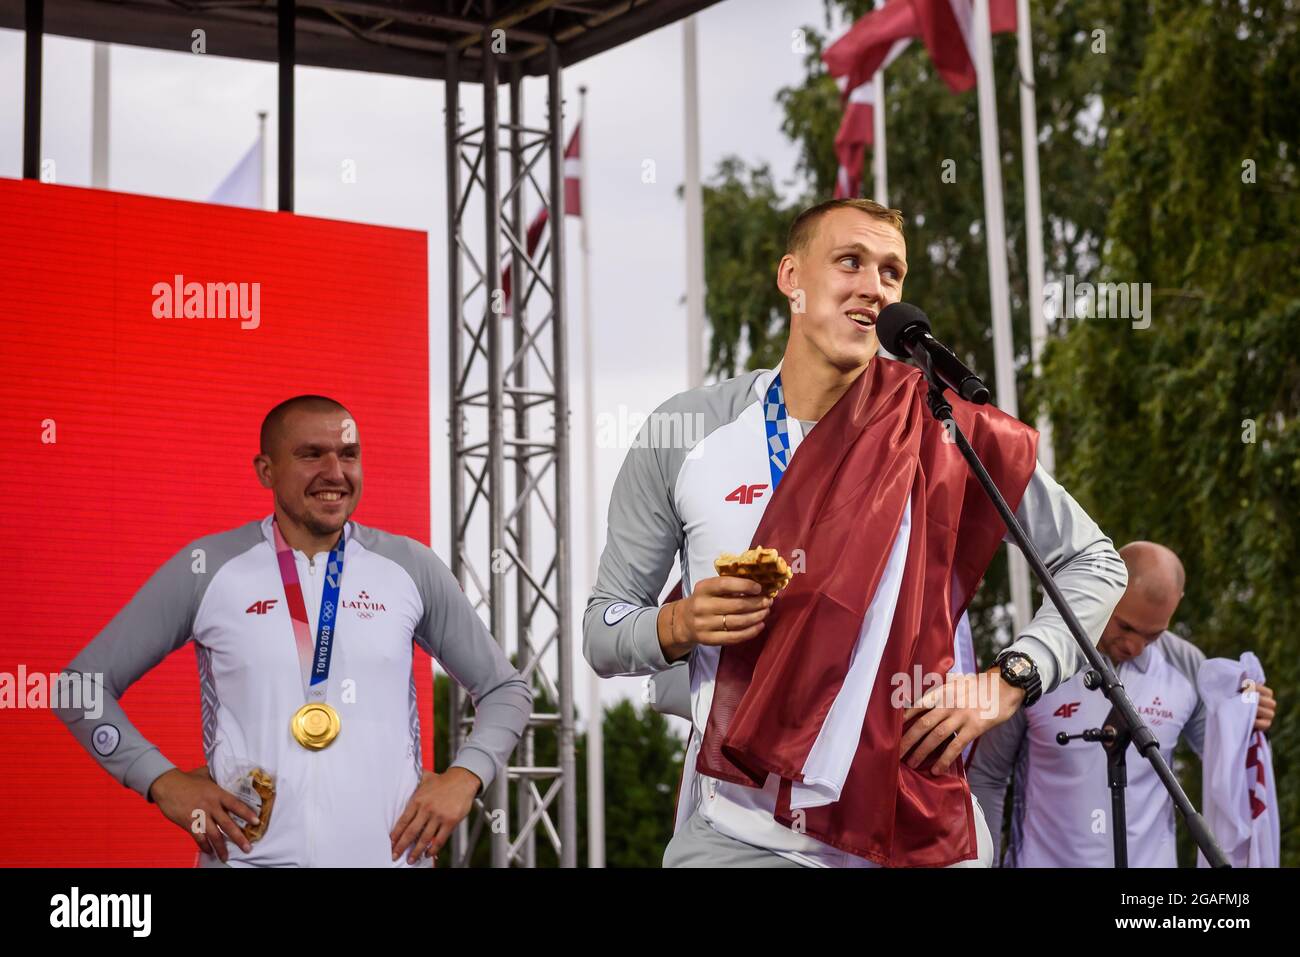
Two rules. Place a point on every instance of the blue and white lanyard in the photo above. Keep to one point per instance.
(778, 430)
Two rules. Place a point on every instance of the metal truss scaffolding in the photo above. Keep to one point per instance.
(509, 415)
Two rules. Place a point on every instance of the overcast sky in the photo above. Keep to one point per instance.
(179, 122)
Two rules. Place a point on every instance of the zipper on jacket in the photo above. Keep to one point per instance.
(311, 814)
(313, 601)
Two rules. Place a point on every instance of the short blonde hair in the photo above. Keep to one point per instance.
(801, 230)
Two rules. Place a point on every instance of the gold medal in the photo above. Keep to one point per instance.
(315, 725)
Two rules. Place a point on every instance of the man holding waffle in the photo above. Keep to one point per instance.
(812, 743)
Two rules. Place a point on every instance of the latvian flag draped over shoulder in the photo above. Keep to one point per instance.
(876, 40)
(813, 700)
(572, 206)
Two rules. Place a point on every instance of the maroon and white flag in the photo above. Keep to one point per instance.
(572, 172)
(876, 40)
(946, 27)
(572, 206)
(887, 576)
(871, 44)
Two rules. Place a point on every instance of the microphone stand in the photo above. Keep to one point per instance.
(1143, 738)
(1115, 737)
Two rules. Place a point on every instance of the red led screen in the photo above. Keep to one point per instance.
(129, 429)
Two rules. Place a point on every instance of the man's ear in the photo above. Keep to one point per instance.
(787, 280)
(786, 276)
(262, 469)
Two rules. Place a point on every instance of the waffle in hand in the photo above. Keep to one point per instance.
(265, 789)
(763, 565)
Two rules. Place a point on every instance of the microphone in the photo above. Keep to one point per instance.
(904, 330)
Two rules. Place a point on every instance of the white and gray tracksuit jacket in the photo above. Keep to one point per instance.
(696, 482)
(333, 807)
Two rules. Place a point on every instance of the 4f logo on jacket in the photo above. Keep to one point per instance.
(745, 494)
(261, 607)
(1067, 710)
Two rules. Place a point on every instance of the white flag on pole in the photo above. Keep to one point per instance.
(243, 184)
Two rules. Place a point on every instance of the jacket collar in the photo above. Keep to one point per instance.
(1143, 661)
(349, 529)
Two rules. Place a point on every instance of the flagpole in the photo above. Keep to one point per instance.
(1033, 218)
(595, 709)
(879, 164)
(694, 212)
(99, 118)
(999, 294)
(879, 157)
(261, 163)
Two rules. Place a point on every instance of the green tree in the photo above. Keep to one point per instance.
(746, 224)
(643, 762)
(1187, 430)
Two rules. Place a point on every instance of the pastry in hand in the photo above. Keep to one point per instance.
(763, 565)
(265, 788)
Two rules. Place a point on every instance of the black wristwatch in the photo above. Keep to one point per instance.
(1019, 670)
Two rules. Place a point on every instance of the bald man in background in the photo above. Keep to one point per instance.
(1061, 805)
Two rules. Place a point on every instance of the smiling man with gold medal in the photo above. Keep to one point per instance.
(314, 717)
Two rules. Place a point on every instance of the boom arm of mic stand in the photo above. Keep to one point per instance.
(1143, 738)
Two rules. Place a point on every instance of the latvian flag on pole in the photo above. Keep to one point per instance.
(946, 28)
(572, 206)
(872, 43)
(876, 40)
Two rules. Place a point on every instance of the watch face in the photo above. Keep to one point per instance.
(1019, 667)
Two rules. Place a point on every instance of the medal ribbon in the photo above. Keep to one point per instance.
(315, 660)
(778, 430)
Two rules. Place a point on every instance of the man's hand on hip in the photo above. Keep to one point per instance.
(955, 714)
(439, 803)
(723, 610)
(179, 794)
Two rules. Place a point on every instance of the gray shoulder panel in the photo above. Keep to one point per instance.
(155, 622)
(1182, 654)
(689, 417)
(452, 632)
(1186, 659)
